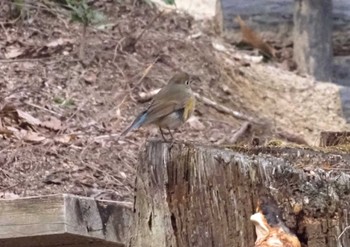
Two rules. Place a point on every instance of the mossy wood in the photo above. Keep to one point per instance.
(63, 220)
(189, 195)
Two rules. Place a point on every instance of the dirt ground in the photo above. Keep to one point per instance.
(56, 107)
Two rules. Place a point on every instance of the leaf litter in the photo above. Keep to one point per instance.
(54, 106)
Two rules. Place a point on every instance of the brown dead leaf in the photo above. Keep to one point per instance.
(28, 118)
(13, 52)
(5, 131)
(90, 76)
(9, 195)
(59, 42)
(195, 123)
(32, 136)
(65, 139)
(26, 135)
(52, 123)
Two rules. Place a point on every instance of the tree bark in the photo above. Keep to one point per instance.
(313, 38)
(190, 195)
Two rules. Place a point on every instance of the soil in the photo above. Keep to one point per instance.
(57, 107)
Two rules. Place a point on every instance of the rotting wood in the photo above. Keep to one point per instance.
(63, 220)
(190, 195)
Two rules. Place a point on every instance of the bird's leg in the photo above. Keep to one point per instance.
(172, 137)
(161, 131)
(172, 140)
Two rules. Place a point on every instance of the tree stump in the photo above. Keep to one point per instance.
(313, 38)
(190, 195)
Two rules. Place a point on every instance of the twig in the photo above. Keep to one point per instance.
(292, 137)
(342, 233)
(81, 53)
(224, 109)
(43, 108)
(145, 73)
(147, 27)
(245, 126)
(18, 60)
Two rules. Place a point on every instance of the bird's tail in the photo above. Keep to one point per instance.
(138, 122)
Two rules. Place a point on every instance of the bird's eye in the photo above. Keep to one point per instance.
(187, 82)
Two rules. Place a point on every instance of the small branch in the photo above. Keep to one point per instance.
(291, 137)
(243, 129)
(147, 27)
(342, 233)
(43, 108)
(224, 109)
(145, 73)
(82, 43)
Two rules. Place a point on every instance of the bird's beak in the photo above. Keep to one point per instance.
(260, 226)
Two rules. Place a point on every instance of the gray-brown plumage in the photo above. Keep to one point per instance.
(170, 108)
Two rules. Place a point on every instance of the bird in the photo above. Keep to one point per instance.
(170, 107)
(269, 227)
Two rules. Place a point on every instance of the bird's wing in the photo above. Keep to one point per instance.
(158, 110)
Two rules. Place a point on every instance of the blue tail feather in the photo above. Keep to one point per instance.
(140, 119)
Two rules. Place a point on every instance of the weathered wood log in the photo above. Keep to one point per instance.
(190, 195)
(313, 50)
(63, 220)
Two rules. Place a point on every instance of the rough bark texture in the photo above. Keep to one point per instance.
(203, 196)
(313, 38)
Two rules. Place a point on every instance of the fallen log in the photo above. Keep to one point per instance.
(189, 195)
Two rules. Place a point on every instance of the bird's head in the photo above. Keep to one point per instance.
(181, 78)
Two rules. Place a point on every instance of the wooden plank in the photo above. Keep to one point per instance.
(190, 195)
(60, 219)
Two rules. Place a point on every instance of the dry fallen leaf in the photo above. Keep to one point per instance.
(195, 123)
(26, 135)
(9, 195)
(90, 76)
(5, 131)
(13, 52)
(52, 123)
(28, 118)
(32, 136)
(59, 42)
(65, 138)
